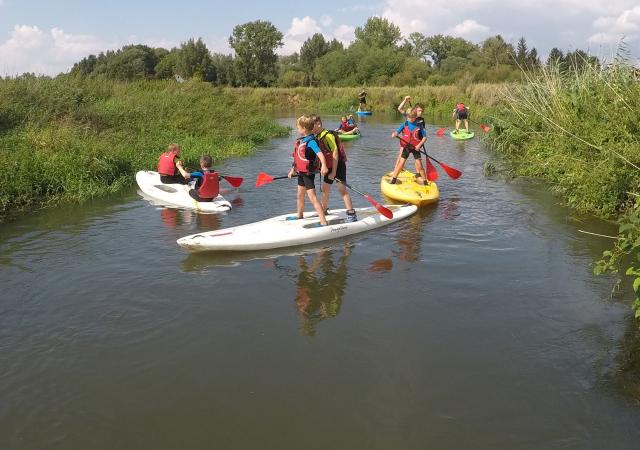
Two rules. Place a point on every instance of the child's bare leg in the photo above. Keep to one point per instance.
(326, 187)
(420, 170)
(311, 193)
(300, 201)
(398, 167)
(345, 196)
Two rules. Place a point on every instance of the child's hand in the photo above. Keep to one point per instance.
(324, 170)
(394, 134)
(290, 174)
(407, 97)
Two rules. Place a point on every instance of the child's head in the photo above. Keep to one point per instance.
(174, 148)
(317, 123)
(411, 114)
(343, 119)
(305, 125)
(419, 109)
(206, 162)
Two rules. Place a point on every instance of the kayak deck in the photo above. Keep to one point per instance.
(279, 231)
(408, 190)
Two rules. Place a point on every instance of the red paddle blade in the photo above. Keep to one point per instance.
(234, 181)
(485, 128)
(453, 173)
(263, 178)
(440, 132)
(381, 209)
(432, 173)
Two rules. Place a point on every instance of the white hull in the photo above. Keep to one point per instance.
(279, 232)
(176, 194)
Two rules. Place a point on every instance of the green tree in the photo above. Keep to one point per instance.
(378, 32)
(533, 60)
(521, 52)
(166, 67)
(194, 61)
(439, 47)
(312, 49)
(255, 44)
(418, 45)
(335, 68)
(495, 50)
(555, 57)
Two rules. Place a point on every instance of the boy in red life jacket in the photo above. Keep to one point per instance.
(461, 112)
(412, 138)
(419, 108)
(168, 166)
(336, 158)
(306, 154)
(207, 181)
(347, 128)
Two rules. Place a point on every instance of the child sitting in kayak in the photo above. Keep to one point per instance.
(412, 138)
(347, 128)
(336, 159)
(207, 185)
(168, 166)
(306, 155)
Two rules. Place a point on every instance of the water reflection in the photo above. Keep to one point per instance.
(173, 218)
(320, 286)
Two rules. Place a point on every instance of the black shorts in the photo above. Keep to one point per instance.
(406, 152)
(172, 179)
(307, 180)
(462, 115)
(341, 173)
(194, 195)
(363, 101)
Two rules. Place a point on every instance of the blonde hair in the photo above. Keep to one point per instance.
(307, 123)
(174, 147)
(412, 114)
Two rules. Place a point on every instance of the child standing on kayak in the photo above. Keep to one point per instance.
(306, 154)
(207, 185)
(169, 164)
(461, 112)
(419, 110)
(412, 138)
(336, 159)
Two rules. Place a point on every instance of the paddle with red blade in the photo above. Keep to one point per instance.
(381, 209)
(440, 132)
(482, 126)
(264, 178)
(452, 172)
(233, 181)
(432, 173)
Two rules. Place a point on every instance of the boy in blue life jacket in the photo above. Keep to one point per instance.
(412, 138)
(307, 156)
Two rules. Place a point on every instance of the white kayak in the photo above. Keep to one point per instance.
(176, 194)
(279, 232)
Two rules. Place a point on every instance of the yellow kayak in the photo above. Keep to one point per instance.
(408, 190)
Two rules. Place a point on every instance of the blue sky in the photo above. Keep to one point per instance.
(49, 36)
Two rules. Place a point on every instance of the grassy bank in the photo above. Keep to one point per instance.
(69, 140)
(438, 100)
(580, 131)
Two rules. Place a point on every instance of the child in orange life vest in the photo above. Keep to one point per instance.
(412, 138)
(336, 159)
(207, 181)
(306, 154)
(461, 112)
(168, 166)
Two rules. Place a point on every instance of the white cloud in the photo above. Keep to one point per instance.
(469, 29)
(30, 49)
(302, 29)
(612, 28)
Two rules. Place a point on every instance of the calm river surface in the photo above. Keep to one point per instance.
(475, 324)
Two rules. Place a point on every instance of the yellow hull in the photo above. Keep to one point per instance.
(408, 190)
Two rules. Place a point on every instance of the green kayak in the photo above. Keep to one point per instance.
(461, 135)
(349, 137)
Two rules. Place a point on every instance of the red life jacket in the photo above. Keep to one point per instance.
(410, 137)
(328, 154)
(460, 107)
(166, 165)
(346, 126)
(210, 187)
(300, 161)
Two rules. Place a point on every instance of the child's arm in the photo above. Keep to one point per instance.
(401, 105)
(183, 172)
(323, 161)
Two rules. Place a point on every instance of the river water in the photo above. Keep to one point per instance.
(475, 324)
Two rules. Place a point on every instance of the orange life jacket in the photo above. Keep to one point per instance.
(166, 164)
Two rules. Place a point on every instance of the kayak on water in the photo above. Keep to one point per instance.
(176, 194)
(407, 189)
(364, 113)
(461, 135)
(288, 231)
(349, 137)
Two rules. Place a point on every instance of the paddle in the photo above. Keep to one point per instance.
(452, 172)
(264, 178)
(381, 209)
(440, 132)
(233, 181)
(484, 127)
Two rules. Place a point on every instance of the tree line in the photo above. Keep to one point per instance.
(377, 56)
